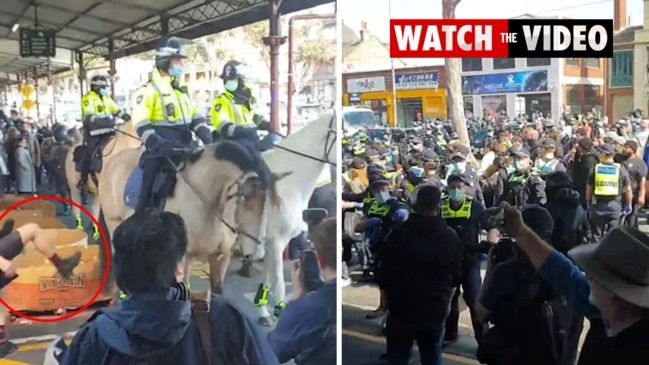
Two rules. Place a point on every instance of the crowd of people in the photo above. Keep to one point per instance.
(539, 207)
(20, 154)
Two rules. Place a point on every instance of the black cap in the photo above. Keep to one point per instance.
(372, 154)
(377, 183)
(415, 140)
(548, 143)
(519, 152)
(429, 155)
(607, 149)
(538, 219)
(458, 177)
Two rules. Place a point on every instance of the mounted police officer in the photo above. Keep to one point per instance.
(234, 117)
(165, 119)
(98, 110)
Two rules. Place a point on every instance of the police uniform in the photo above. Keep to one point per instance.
(608, 181)
(164, 119)
(98, 110)
(466, 221)
(234, 117)
(524, 187)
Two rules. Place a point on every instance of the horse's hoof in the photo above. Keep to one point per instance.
(265, 321)
(246, 269)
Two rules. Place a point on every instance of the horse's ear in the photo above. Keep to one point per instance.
(281, 175)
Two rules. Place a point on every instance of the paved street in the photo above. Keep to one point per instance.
(33, 339)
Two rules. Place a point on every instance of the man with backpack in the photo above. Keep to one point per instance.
(160, 322)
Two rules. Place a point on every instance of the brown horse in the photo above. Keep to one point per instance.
(125, 138)
(216, 194)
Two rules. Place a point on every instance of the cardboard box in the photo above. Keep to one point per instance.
(47, 207)
(38, 287)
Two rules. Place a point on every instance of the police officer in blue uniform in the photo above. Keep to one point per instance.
(464, 214)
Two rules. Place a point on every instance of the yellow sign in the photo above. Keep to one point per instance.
(27, 90)
(28, 104)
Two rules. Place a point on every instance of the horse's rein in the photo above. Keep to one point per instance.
(327, 147)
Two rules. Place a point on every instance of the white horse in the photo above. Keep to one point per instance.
(304, 154)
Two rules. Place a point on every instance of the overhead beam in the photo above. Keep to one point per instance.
(29, 5)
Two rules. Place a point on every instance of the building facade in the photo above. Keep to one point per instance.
(628, 70)
(420, 93)
(532, 85)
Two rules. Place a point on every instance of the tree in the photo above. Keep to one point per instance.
(454, 81)
(314, 49)
(254, 36)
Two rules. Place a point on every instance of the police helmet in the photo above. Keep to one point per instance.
(98, 82)
(60, 133)
(233, 70)
(170, 49)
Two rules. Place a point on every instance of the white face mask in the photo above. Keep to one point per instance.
(460, 166)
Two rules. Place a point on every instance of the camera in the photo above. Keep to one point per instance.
(309, 268)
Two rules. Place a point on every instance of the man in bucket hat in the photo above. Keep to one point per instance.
(613, 293)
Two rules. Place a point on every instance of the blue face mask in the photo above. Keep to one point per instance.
(456, 195)
(176, 71)
(103, 92)
(382, 197)
(231, 85)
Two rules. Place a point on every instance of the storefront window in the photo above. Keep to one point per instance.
(494, 105)
(535, 62)
(468, 106)
(573, 99)
(592, 62)
(504, 63)
(379, 108)
(408, 111)
(572, 61)
(592, 97)
(471, 64)
(537, 104)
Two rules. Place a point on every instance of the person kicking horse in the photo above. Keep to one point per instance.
(12, 244)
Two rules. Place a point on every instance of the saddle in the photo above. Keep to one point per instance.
(96, 162)
(164, 184)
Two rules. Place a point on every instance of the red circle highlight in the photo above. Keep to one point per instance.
(106, 270)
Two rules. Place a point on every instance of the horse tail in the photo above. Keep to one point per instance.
(103, 254)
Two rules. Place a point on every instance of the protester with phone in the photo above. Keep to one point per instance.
(306, 329)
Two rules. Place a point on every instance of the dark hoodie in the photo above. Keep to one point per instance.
(579, 169)
(420, 269)
(157, 328)
(570, 218)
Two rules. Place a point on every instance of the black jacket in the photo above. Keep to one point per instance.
(419, 270)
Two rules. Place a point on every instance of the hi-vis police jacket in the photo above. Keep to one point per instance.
(98, 112)
(226, 109)
(164, 115)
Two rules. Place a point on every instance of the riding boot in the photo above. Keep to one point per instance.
(81, 185)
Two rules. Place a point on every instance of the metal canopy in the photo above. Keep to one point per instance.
(12, 65)
(134, 26)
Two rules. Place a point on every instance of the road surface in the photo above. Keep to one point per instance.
(34, 339)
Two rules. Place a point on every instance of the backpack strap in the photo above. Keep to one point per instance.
(201, 317)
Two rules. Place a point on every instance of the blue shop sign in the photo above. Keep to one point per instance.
(427, 80)
(513, 82)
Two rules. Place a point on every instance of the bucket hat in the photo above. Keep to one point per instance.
(619, 263)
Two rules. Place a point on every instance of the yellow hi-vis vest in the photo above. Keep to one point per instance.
(463, 212)
(607, 180)
(378, 210)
